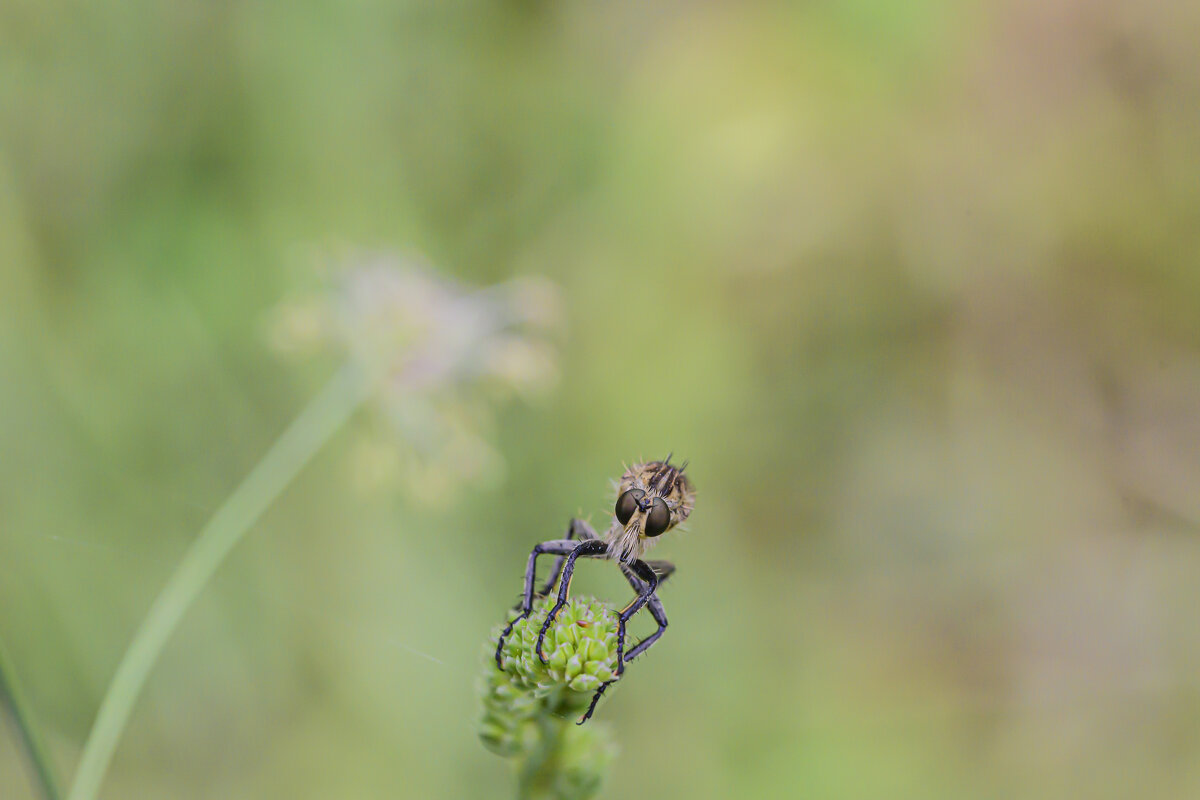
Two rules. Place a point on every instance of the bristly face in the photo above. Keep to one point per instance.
(652, 498)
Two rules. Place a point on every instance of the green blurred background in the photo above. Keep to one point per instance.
(914, 285)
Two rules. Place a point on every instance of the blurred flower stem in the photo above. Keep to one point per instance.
(13, 696)
(315, 425)
(538, 772)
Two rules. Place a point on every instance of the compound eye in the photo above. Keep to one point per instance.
(627, 504)
(659, 518)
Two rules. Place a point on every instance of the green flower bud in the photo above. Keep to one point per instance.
(529, 706)
(585, 683)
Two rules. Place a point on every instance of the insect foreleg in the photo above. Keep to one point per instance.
(648, 581)
(559, 547)
(654, 604)
(578, 529)
(590, 548)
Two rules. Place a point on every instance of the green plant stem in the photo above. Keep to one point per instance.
(327, 412)
(535, 780)
(14, 696)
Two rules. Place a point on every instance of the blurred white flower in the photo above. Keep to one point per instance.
(443, 356)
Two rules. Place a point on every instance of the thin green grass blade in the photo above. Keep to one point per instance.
(315, 425)
(13, 695)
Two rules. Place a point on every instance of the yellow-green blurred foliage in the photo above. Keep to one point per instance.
(915, 286)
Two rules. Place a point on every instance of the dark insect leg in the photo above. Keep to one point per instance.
(557, 547)
(664, 570)
(595, 699)
(649, 583)
(660, 616)
(645, 580)
(590, 548)
(577, 529)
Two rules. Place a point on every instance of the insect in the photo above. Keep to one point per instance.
(652, 498)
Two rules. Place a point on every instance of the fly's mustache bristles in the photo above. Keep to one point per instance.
(625, 543)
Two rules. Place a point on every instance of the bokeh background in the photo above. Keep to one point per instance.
(915, 286)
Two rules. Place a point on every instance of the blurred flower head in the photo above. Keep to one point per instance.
(443, 356)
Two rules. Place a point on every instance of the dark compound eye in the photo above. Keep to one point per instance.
(627, 504)
(658, 519)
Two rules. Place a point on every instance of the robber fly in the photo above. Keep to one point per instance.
(652, 498)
